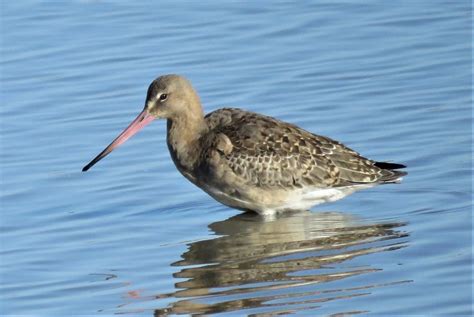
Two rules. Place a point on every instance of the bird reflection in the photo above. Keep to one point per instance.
(277, 266)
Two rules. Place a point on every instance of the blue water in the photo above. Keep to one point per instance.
(391, 80)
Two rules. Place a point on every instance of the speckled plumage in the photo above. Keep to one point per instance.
(261, 163)
(254, 162)
(267, 152)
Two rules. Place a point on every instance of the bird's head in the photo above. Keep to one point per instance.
(168, 97)
(171, 96)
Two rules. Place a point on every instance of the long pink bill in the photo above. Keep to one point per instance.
(140, 121)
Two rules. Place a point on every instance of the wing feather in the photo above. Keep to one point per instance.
(269, 152)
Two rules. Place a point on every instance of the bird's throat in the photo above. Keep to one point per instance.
(183, 138)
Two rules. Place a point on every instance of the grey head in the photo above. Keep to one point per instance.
(169, 97)
(172, 96)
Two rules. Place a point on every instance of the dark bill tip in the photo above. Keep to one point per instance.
(98, 158)
(86, 168)
(140, 121)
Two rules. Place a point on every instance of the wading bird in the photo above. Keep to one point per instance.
(251, 161)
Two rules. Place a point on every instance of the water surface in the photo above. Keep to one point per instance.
(132, 236)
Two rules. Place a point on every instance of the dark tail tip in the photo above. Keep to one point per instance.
(389, 166)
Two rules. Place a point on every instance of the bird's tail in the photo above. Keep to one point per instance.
(390, 172)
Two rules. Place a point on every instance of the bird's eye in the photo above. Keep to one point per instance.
(163, 97)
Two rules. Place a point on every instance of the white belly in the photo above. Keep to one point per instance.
(271, 202)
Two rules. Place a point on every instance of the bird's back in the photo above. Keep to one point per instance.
(266, 152)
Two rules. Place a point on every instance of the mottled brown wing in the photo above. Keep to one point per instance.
(269, 152)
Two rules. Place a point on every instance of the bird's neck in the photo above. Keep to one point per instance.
(183, 138)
